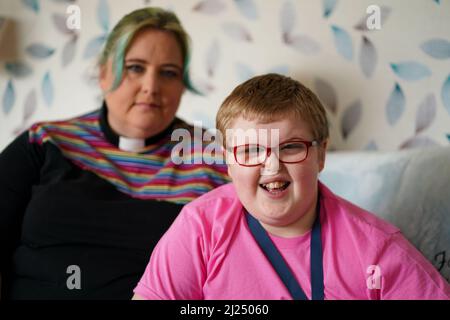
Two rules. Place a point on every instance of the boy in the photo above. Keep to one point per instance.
(276, 232)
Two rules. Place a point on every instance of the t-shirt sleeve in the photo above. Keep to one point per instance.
(177, 268)
(407, 274)
(20, 166)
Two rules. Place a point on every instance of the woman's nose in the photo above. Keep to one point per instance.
(271, 165)
(150, 83)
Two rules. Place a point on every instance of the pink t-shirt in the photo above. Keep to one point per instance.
(210, 253)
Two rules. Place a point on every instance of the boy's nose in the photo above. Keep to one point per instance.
(271, 166)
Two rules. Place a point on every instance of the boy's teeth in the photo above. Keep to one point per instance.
(274, 185)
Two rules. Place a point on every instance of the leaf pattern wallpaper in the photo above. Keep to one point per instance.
(384, 88)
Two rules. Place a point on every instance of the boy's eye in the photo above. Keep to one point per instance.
(293, 147)
(135, 68)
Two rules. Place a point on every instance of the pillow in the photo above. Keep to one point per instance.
(409, 188)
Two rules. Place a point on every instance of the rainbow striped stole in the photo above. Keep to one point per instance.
(149, 174)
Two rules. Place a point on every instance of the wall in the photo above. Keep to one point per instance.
(384, 89)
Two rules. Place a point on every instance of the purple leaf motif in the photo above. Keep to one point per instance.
(60, 22)
(351, 118)
(69, 51)
(247, 8)
(395, 105)
(288, 19)
(304, 44)
(237, 31)
(30, 105)
(384, 14)
(426, 113)
(9, 97)
(437, 48)
(327, 95)
(418, 142)
(210, 6)
(212, 58)
(368, 57)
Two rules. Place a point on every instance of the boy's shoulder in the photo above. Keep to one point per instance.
(224, 193)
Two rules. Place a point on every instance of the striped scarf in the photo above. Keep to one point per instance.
(149, 174)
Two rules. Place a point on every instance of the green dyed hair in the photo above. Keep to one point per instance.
(125, 30)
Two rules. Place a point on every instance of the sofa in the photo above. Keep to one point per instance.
(409, 188)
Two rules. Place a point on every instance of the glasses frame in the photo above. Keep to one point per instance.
(308, 144)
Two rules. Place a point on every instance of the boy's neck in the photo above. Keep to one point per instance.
(296, 229)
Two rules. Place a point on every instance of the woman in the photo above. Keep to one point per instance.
(85, 200)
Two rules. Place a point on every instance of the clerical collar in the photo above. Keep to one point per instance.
(125, 143)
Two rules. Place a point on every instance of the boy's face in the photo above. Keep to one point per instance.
(277, 194)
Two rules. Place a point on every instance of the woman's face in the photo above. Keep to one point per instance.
(147, 99)
(282, 196)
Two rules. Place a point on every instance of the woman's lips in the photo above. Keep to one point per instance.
(147, 105)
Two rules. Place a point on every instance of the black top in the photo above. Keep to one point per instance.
(54, 215)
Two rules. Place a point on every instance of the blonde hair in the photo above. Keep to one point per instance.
(269, 98)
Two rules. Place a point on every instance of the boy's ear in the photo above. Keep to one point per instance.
(102, 77)
(322, 154)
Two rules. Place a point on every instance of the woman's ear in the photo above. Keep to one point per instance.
(322, 154)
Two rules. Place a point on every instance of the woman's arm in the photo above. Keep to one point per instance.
(20, 164)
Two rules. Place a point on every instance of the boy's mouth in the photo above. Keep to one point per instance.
(276, 186)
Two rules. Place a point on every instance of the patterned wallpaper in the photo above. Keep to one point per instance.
(384, 89)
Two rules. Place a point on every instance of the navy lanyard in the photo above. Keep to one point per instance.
(280, 266)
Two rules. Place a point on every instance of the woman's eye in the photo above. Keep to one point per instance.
(170, 73)
(135, 68)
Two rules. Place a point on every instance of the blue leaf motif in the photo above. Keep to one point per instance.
(248, 8)
(47, 89)
(18, 69)
(32, 4)
(395, 105)
(288, 19)
(39, 50)
(448, 137)
(411, 70)
(328, 7)
(9, 97)
(437, 48)
(371, 146)
(284, 70)
(343, 42)
(445, 94)
(244, 72)
(94, 47)
(103, 15)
